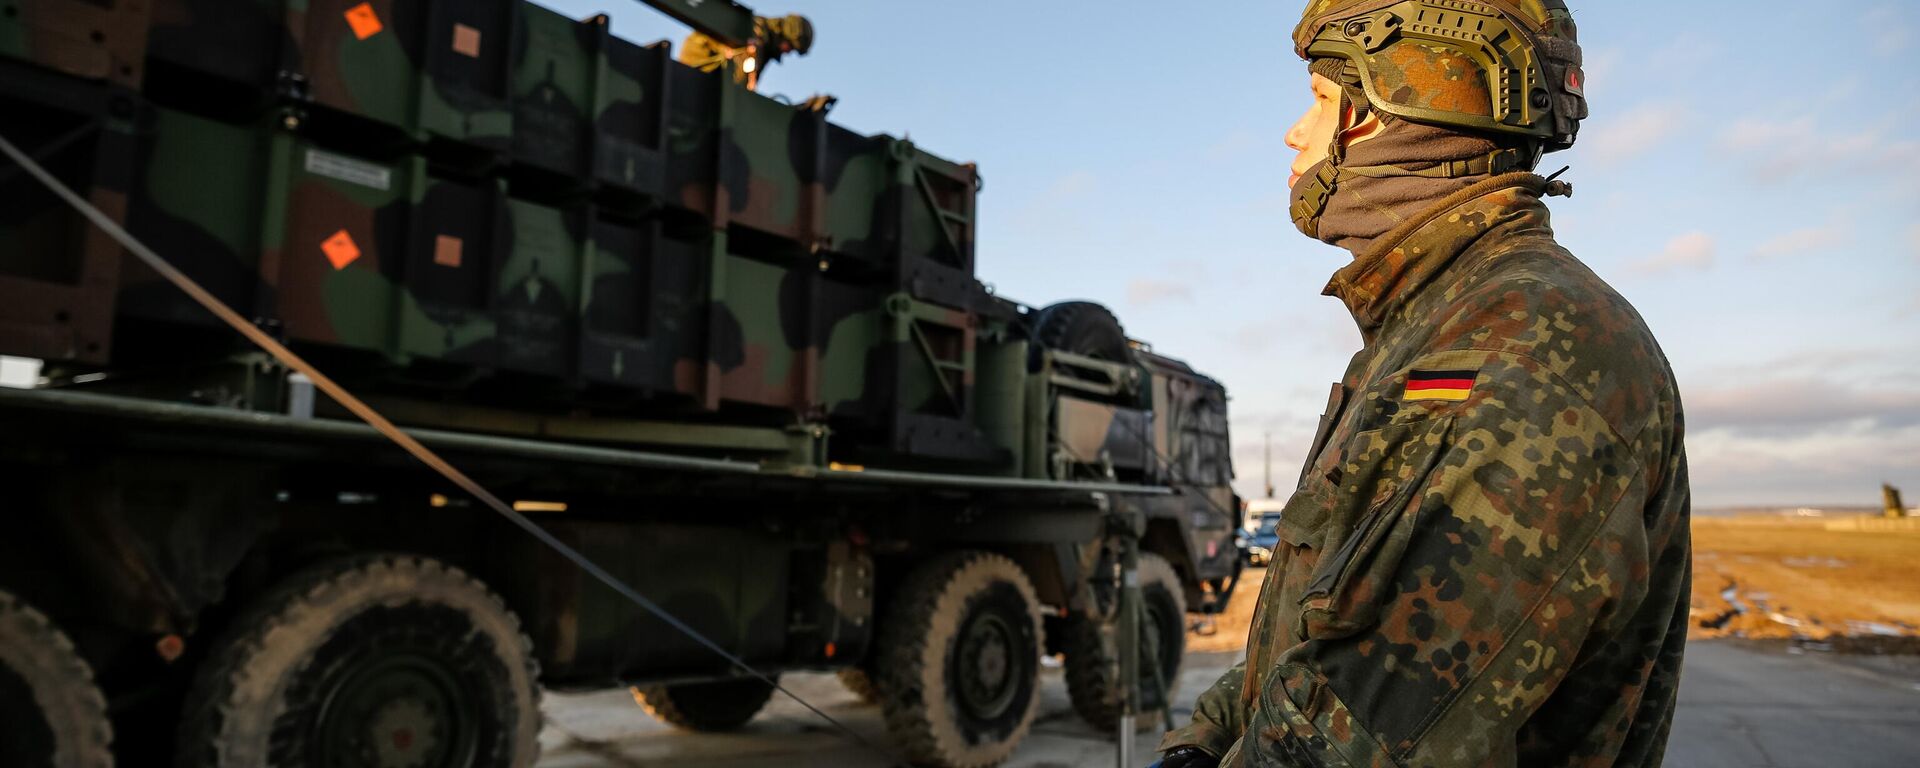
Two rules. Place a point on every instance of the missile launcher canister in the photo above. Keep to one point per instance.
(729, 348)
(464, 190)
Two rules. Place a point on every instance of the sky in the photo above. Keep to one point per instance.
(1750, 180)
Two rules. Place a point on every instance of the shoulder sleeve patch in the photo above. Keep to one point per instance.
(1451, 386)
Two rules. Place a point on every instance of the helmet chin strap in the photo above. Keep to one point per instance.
(1312, 193)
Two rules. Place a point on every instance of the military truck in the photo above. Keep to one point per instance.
(730, 351)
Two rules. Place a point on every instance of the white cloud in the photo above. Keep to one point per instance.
(1694, 250)
(1810, 433)
(1634, 132)
(1842, 465)
(1890, 34)
(1862, 366)
(1781, 150)
(1799, 405)
(1825, 237)
(1146, 293)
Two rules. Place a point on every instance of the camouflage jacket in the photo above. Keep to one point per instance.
(1486, 561)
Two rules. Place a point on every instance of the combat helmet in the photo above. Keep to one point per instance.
(793, 30)
(1508, 68)
(1494, 66)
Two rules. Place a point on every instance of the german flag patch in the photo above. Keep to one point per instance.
(1447, 386)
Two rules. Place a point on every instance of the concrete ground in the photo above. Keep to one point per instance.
(1742, 705)
(607, 730)
(1749, 705)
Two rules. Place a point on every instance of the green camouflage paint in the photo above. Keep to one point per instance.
(437, 70)
(433, 72)
(581, 106)
(437, 193)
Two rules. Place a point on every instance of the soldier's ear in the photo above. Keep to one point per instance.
(1369, 126)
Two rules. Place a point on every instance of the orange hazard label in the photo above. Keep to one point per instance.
(340, 249)
(466, 40)
(446, 251)
(364, 21)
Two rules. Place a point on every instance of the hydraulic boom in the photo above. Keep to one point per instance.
(725, 21)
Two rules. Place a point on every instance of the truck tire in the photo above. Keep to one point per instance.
(378, 659)
(1093, 654)
(859, 682)
(722, 705)
(51, 713)
(1082, 328)
(959, 660)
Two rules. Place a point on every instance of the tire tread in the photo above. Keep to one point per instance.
(1092, 680)
(225, 670)
(681, 712)
(912, 617)
(90, 735)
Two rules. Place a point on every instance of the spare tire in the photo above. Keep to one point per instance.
(1082, 328)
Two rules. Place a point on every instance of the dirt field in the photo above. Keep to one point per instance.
(1756, 576)
(1773, 577)
(1229, 629)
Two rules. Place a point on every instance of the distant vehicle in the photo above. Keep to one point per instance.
(1257, 509)
(1257, 537)
(1264, 539)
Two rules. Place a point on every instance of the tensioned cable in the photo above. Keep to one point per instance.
(392, 432)
(1179, 475)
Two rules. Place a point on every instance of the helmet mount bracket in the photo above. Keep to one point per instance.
(1375, 32)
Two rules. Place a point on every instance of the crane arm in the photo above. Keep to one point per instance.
(727, 22)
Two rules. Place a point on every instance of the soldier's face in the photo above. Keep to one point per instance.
(1313, 134)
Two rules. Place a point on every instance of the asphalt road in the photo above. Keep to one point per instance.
(1742, 705)
(1765, 706)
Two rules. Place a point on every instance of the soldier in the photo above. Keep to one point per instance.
(772, 39)
(1486, 559)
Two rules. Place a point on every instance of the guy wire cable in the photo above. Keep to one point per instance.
(394, 433)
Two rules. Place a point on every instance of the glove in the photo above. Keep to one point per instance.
(1187, 757)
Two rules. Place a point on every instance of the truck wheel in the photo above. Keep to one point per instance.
(1093, 653)
(959, 655)
(1082, 328)
(860, 683)
(722, 705)
(370, 660)
(51, 713)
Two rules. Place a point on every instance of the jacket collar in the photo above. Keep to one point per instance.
(1401, 262)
